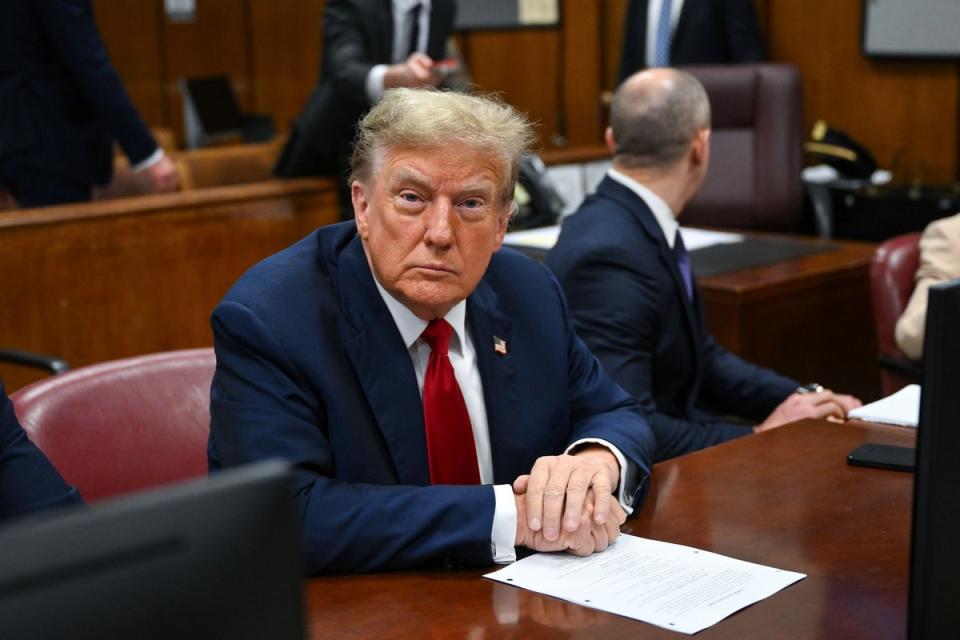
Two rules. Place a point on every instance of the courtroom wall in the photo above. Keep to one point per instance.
(906, 112)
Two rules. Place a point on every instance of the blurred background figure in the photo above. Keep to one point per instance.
(62, 105)
(369, 46)
(939, 262)
(670, 33)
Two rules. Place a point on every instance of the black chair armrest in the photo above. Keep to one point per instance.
(28, 359)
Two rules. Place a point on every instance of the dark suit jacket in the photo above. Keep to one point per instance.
(630, 306)
(708, 32)
(28, 482)
(357, 34)
(311, 368)
(61, 101)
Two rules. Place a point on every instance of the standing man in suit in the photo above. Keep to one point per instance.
(626, 273)
(939, 262)
(665, 33)
(368, 46)
(28, 482)
(411, 372)
(62, 105)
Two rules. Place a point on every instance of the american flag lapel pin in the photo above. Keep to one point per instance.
(500, 345)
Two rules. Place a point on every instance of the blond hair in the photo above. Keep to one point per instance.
(427, 118)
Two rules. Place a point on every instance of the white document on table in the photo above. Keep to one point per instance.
(693, 239)
(671, 586)
(902, 408)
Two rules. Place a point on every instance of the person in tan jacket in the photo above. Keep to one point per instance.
(939, 261)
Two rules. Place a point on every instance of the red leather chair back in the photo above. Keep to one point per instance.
(125, 425)
(892, 272)
(756, 148)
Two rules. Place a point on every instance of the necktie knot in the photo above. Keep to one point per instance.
(437, 334)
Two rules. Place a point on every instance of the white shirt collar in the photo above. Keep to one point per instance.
(661, 211)
(410, 326)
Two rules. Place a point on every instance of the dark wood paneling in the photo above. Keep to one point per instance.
(106, 280)
(286, 41)
(904, 112)
(132, 33)
(216, 42)
(582, 69)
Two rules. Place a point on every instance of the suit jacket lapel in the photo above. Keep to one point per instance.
(383, 365)
(635, 204)
(682, 26)
(497, 373)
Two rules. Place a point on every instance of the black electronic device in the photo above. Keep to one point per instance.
(212, 558)
(882, 456)
(935, 554)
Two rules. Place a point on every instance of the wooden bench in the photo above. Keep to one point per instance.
(103, 280)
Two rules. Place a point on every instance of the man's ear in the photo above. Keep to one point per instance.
(700, 149)
(504, 224)
(610, 141)
(361, 207)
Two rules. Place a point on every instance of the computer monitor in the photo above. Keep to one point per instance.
(933, 610)
(212, 558)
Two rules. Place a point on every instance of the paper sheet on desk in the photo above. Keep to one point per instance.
(671, 586)
(546, 237)
(901, 409)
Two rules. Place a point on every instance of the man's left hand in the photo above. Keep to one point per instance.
(558, 485)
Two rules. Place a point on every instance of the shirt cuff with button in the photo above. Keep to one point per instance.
(149, 161)
(628, 472)
(374, 83)
(504, 533)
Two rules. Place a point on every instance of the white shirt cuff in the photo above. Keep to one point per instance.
(149, 161)
(504, 533)
(375, 83)
(628, 472)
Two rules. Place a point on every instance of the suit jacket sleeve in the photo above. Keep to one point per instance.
(71, 28)
(348, 59)
(614, 307)
(735, 386)
(939, 261)
(743, 31)
(261, 407)
(28, 482)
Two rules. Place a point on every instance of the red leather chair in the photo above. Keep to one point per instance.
(892, 272)
(756, 148)
(125, 425)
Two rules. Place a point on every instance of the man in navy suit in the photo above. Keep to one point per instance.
(661, 33)
(621, 262)
(62, 105)
(326, 358)
(28, 482)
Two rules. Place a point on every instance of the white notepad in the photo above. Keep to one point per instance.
(901, 409)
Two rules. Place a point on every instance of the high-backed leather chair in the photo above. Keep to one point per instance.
(892, 273)
(124, 425)
(756, 152)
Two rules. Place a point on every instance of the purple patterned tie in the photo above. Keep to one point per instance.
(683, 263)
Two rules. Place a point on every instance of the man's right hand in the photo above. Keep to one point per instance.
(589, 537)
(164, 175)
(415, 71)
(824, 404)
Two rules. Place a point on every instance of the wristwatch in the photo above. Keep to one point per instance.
(810, 387)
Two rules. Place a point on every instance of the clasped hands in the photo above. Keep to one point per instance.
(565, 502)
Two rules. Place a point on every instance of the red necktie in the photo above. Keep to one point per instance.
(450, 448)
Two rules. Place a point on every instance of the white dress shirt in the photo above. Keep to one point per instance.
(402, 27)
(653, 20)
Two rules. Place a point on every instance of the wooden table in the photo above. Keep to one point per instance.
(784, 498)
(810, 317)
